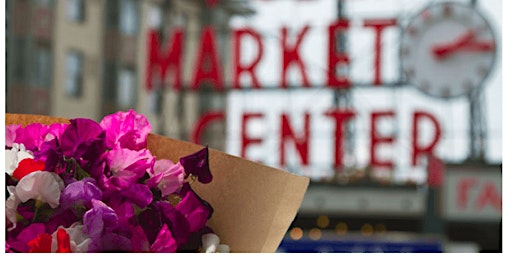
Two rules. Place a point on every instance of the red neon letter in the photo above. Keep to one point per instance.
(428, 149)
(301, 144)
(340, 116)
(336, 57)
(378, 26)
(159, 62)
(291, 55)
(237, 66)
(245, 139)
(462, 192)
(489, 195)
(202, 122)
(377, 139)
(208, 63)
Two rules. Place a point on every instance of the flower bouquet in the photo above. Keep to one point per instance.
(81, 186)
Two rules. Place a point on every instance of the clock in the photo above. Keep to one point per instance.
(447, 50)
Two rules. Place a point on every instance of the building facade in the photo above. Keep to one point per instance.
(77, 58)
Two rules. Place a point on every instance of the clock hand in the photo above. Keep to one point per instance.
(480, 46)
(440, 51)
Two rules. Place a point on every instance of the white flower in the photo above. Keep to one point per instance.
(78, 241)
(14, 156)
(40, 185)
(211, 244)
(11, 206)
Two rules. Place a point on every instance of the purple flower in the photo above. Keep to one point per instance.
(52, 155)
(61, 219)
(110, 242)
(150, 220)
(197, 164)
(127, 166)
(139, 194)
(99, 219)
(83, 138)
(177, 222)
(80, 193)
(126, 129)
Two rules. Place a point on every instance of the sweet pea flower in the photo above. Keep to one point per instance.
(99, 219)
(26, 166)
(19, 242)
(14, 156)
(11, 206)
(164, 241)
(196, 210)
(197, 164)
(32, 135)
(78, 241)
(126, 130)
(80, 193)
(167, 176)
(127, 166)
(55, 131)
(10, 134)
(40, 185)
(211, 244)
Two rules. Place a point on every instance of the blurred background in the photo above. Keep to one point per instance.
(403, 146)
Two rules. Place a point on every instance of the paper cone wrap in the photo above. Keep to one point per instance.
(253, 204)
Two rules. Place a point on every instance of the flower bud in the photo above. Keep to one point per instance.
(210, 242)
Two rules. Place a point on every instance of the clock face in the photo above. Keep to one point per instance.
(447, 50)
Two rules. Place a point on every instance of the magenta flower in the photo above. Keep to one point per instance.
(193, 208)
(32, 136)
(164, 241)
(55, 131)
(126, 129)
(197, 164)
(19, 243)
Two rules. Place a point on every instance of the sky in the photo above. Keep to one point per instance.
(453, 114)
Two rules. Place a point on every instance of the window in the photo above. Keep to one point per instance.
(128, 18)
(126, 88)
(42, 74)
(109, 81)
(75, 10)
(74, 74)
(19, 56)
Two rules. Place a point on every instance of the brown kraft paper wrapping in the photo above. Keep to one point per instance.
(253, 204)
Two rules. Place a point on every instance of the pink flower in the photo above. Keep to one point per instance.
(40, 185)
(167, 176)
(128, 166)
(10, 134)
(126, 130)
